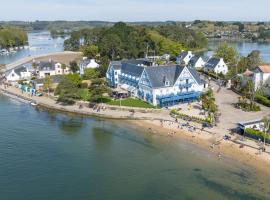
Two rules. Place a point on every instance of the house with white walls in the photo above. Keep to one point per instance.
(196, 62)
(261, 75)
(184, 57)
(159, 85)
(51, 68)
(20, 73)
(86, 64)
(216, 65)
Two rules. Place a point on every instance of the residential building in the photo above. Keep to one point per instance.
(260, 76)
(20, 73)
(87, 63)
(159, 85)
(196, 62)
(216, 65)
(184, 57)
(257, 124)
(51, 68)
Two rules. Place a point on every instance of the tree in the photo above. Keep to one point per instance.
(97, 88)
(47, 83)
(74, 66)
(254, 59)
(63, 67)
(67, 90)
(90, 51)
(90, 73)
(208, 104)
(229, 54)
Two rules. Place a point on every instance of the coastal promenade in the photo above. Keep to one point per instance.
(65, 57)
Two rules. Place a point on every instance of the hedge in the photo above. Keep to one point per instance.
(255, 134)
(262, 100)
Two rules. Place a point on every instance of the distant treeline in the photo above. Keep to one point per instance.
(12, 37)
(126, 41)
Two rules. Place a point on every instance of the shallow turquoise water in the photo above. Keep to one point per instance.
(46, 155)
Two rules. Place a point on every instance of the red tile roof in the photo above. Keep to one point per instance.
(265, 68)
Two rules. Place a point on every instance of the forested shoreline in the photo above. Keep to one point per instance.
(125, 41)
(12, 37)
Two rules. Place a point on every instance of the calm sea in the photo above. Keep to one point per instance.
(46, 155)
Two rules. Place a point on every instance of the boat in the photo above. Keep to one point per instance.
(32, 103)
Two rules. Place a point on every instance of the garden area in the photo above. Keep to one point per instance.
(129, 102)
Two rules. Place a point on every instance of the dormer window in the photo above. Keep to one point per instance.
(167, 83)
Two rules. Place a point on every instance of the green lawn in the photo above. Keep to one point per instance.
(130, 102)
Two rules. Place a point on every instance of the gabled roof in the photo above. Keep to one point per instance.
(158, 74)
(116, 65)
(183, 54)
(55, 79)
(212, 63)
(131, 69)
(194, 60)
(196, 76)
(46, 66)
(20, 69)
(264, 68)
(142, 61)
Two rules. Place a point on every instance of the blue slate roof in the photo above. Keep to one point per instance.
(212, 63)
(183, 54)
(158, 75)
(132, 69)
(141, 61)
(193, 60)
(195, 74)
(116, 64)
(46, 65)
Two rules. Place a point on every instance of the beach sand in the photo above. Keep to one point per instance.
(246, 155)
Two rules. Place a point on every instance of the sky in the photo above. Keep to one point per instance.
(135, 10)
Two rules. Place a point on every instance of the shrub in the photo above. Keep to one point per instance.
(255, 134)
(262, 100)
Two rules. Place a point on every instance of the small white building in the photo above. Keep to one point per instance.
(184, 57)
(260, 75)
(20, 73)
(196, 62)
(216, 65)
(88, 63)
(257, 124)
(51, 68)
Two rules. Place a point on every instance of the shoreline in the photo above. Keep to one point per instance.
(162, 125)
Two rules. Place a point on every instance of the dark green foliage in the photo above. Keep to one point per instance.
(188, 38)
(123, 41)
(262, 100)
(12, 37)
(97, 88)
(255, 134)
(74, 66)
(67, 90)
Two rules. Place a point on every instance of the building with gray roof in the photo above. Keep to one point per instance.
(158, 85)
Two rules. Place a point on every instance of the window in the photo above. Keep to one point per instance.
(115, 73)
(167, 83)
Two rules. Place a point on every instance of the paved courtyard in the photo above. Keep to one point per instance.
(230, 115)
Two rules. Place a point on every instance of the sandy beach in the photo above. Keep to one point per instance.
(161, 123)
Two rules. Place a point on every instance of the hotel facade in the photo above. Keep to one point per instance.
(159, 85)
